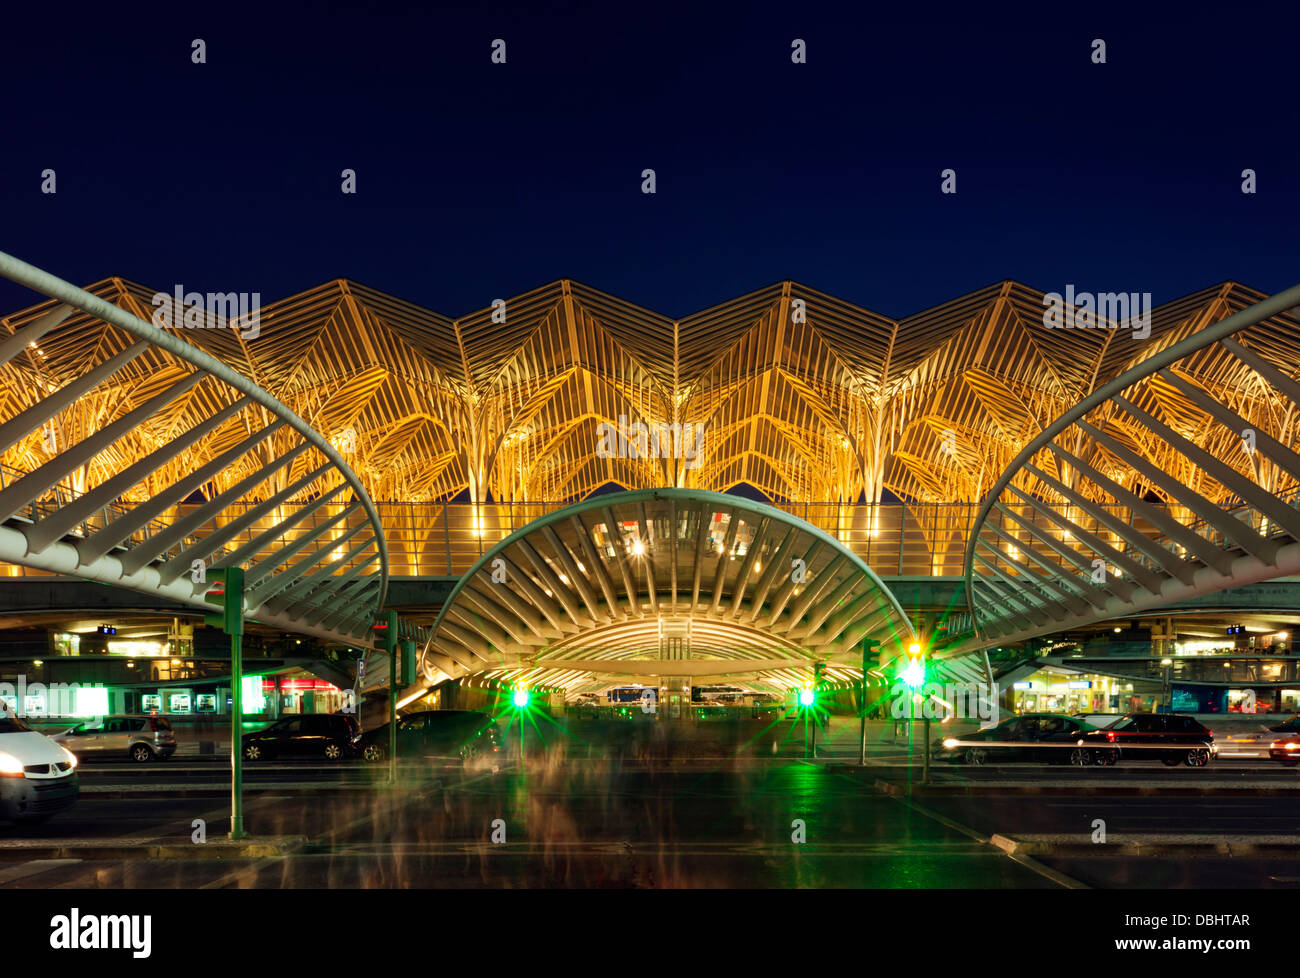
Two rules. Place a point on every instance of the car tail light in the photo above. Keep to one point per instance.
(1110, 736)
(1209, 733)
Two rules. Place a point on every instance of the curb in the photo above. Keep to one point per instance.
(1108, 791)
(940, 790)
(223, 791)
(1208, 849)
(118, 849)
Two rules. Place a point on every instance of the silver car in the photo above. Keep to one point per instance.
(37, 778)
(141, 738)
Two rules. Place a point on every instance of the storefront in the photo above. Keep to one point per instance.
(1236, 699)
(1050, 691)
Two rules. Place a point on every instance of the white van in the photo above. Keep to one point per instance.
(37, 777)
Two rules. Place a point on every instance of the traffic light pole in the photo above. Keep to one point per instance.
(231, 620)
(237, 736)
(392, 715)
(925, 754)
(867, 646)
(390, 639)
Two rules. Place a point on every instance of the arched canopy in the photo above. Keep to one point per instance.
(668, 582)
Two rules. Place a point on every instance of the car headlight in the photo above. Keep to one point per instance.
(72, 758)
(950, 742)
(10, 766)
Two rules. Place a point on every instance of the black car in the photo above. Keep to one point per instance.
(466, 735)
(1170, 738)
(332, 736)
(1047, 738)
(1291, 725)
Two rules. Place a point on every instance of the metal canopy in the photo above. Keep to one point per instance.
(1177, 478)
(131, 453)
(671, 582)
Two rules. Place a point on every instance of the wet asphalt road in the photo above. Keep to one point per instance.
(778, 823)
(561, 825)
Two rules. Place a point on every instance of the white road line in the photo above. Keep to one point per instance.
(33, 868)
(1029, 862)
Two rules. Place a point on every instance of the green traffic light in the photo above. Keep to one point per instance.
(521, 698)
(807, 697)
(914, 674)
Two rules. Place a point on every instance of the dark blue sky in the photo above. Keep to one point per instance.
(478, 180)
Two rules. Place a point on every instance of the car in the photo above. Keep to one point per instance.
(1286, 750)
(466, 735)
(141, 738)
(1291, 725)
(1099, 720)
(1145, 736)
(1051, 738)
(38, 778)
(332, 736)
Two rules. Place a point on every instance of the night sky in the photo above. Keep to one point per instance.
(478, 181)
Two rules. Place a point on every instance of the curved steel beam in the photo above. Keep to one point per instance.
(143, 542)
(1059, 541)
(639, 579)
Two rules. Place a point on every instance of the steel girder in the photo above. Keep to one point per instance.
(1179, 477)
(666, 582)
(293, 514)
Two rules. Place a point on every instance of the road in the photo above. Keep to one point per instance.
(563, 825)
(739, 823)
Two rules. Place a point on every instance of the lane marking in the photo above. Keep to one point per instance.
(33, 868)
(1030, 863)
(426, 791)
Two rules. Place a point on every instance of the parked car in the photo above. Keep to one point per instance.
(332, 736)
(1144, 737)
(141, 738)
(466, 735)
(1050, 738)
(38, 778)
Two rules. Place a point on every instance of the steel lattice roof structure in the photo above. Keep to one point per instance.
(847, 405)
(799, 395)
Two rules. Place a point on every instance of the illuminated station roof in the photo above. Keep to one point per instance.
(793, 393)
(660, 583)
(803, 396)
